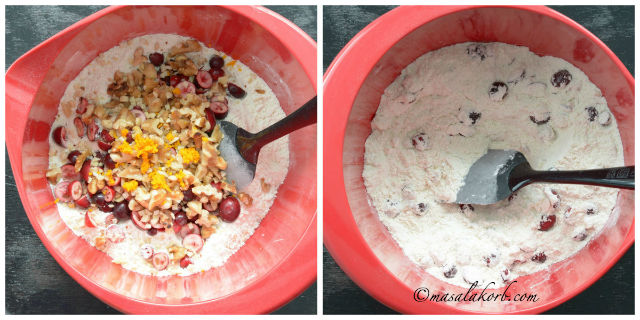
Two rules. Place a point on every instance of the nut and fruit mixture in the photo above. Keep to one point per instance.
(157, 162)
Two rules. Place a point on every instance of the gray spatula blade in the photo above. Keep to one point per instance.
(487, 181)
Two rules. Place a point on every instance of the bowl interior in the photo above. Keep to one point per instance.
(544, 36)
(280, 231)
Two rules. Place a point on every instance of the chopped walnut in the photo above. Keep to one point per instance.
(54, 174)
(101, 243)
(184, 65)
(206, 232)
(245, 198)
(265, 186)
(194, 208)
(138, 57)
(177, 252)
(187, 46)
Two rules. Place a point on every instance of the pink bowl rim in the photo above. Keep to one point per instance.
(341, 235)
(259, 296)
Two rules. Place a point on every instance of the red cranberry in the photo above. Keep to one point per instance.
(216, 74)
(156, 59)
(59, 135)
(188, 195)
(99, 200)
(204, 79)
(561, 79)
(108, 207)
(82, 106)
(152, 231)
(216, 62)
(181, 219)
(92, 130)
(121, 210)
(547, 222)
(106, 136)
(129, 137)
(219, 108)
(174, 80)
(539, 257)
(229, 209)
(185, 262)
(86, 168)
(73, 155)
(236, 91)
(80, 127)
(109, 163)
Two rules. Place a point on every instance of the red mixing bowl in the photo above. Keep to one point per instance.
(354, 82)
(278, 262)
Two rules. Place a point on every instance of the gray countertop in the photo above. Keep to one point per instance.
(614, 292)
(50, 290)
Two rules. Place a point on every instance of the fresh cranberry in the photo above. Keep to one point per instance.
(539, 257)
(69, 172)
(92, 130)
(181, 219)
(83, 202)
(82, 106)
(80, 127)
(219, 108)
(104, 145)
(216, 74)
(193, 242)
(189, 228)
(75, 189)
(547, 222)
(88, 220)
(156, 59)
(121, 210)
(185, 262)
(188, 195)
(229, 209)
(235, 91)
(106, 136)
(109, 163)
(175, 79)
(59, 135)
(450, 271)
(98, 199)
(186, 87)
(216, 62)
(61, 191)
(204, 79)
(146, 251)
(160, 260)
(211, 118)
(107, 207)
(561, 79)
(73, 155)
(152, 231)
(86, 168)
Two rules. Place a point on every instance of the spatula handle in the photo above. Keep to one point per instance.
(620, 177)
(249, 144)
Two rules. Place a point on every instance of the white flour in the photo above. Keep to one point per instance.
(442, 102)
(254, 112)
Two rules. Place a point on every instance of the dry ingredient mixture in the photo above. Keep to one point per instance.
(444, 112)
(134, 159)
